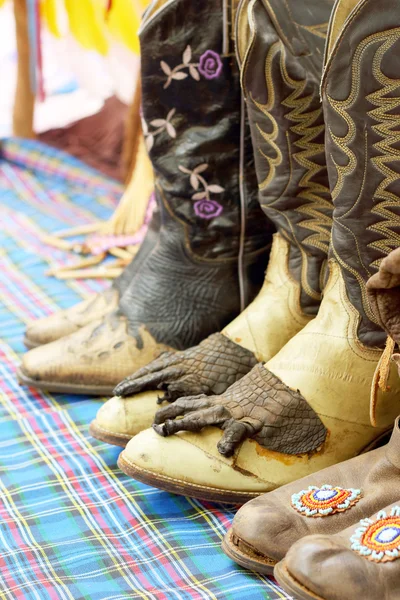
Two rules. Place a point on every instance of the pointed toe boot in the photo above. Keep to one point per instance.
(362, 561)
(333, 499)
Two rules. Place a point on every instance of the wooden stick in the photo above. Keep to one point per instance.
(24, 101)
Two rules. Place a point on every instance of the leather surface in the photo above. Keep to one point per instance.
(256, 334)
(361, 99)
(64, 322)
(327, 364)
(258, 407)
(208, 368)
(270, 525)
(212, 248)
(328, 566)
(117, 418)
(383, 291)
(100, 354)
(211, 251)
(281, 74)
(207, 122)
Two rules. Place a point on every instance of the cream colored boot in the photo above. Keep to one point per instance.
(288, 132)
(310, 406)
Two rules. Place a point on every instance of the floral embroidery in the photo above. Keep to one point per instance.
(160, 125)
(210, 66)
(204, 207)
(379, 540)
(325, 500)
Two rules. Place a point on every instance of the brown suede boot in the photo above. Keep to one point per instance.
(309, 406)
(361, 561)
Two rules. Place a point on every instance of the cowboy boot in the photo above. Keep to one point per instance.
(64, 322)
(210, 255)
(265, 528)
(309, 406)
(361, 561)
(288, 134)
(326, 502)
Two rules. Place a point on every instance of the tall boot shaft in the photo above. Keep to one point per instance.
(282, 53)
(361, 98)
(195, 128)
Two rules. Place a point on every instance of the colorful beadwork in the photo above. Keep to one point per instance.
(325, 500)
(379, 539)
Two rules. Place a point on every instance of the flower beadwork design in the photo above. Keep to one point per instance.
(378, 539)
(158, 125)
(209, 66)
(325, 500)
(205, 207)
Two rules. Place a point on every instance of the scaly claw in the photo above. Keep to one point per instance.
(209, 368)
(259, 406)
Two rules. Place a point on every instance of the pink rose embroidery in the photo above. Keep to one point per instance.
(207, 209)
(210, 65)
(204, 206)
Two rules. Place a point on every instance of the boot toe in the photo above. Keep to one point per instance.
(326, 567)
(49, 329)
(120, 419)
(180, 465)
(65, 322)
(265, 526)
(94, 359)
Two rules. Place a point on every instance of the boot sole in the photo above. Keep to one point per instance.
(200, 492)
(183, 488)
(263, 565)
(291, 585)
(64, 388)
(109, 437)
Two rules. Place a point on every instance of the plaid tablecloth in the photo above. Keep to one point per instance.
(72, 526)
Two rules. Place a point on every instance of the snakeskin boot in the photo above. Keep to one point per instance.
(211, 251)
(310, 406)
(288, 136)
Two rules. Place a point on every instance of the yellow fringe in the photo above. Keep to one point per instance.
(87, 24)
(381, 378)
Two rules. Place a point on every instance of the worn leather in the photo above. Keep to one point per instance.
(208, 267)
(255, 335)
(361, 74)
(327, 566)
(327, 364)
(258, 406)
(383, 291)
(281, 74)
(100, 354)
(208, 368)
(64, 322)
(270, 525)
